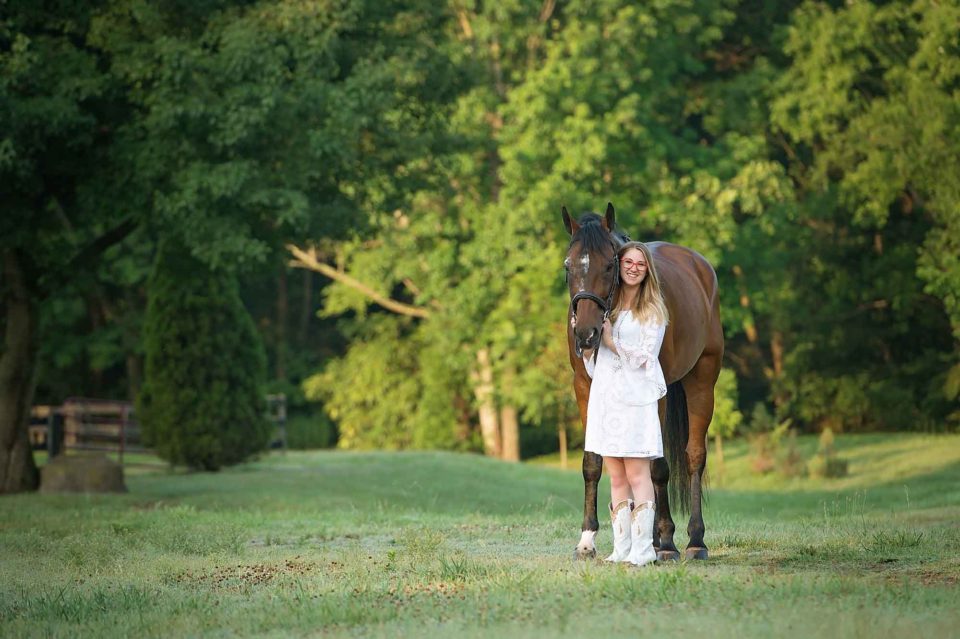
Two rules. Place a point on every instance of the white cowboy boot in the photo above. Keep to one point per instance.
(641, 535)
(620, 517)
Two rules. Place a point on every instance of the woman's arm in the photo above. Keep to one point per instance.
(644, 350)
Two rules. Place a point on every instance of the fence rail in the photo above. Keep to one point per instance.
(107, 425)
(86, 424)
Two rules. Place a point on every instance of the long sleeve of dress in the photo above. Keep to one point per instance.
(640, 351)
(590, 364)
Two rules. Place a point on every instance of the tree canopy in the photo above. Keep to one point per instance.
(385, 179)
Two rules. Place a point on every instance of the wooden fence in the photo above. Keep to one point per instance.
(86, 424)
(110, 426)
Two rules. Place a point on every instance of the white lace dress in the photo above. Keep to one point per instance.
(622, 415)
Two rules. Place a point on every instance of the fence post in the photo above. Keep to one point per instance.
(54, 432)
(124, 415)
(282, 415)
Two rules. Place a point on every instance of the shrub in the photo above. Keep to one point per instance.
(305, 432)
(773, 446)
(201, 403)
(826, 463)
(763, 447)
(790, 461)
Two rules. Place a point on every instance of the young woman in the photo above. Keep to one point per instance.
(623, 422)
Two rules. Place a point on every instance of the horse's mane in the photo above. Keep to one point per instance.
(593, 236)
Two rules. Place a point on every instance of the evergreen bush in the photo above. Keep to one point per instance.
(202, 398)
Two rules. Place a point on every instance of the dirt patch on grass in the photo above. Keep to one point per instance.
(243, 576)
(930, 577)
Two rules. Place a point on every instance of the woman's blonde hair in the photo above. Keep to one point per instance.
(649, 303)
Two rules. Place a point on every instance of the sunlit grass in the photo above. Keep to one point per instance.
(429, 544)
(874, 459)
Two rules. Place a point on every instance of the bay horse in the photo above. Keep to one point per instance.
(690, 356)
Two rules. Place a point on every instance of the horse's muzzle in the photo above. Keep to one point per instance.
(587, 342)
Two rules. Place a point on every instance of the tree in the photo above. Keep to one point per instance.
(202, 403)
(54, 96)
(869, 105)
(219, 126)
(480, 250)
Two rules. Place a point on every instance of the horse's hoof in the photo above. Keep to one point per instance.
(668, 555)
(584, 554)
(696, 553)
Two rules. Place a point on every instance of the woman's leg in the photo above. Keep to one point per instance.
(641, 526)
(621, 508)
(637, 472)
(619, 484)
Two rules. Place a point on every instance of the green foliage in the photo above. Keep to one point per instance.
(309, 432)
(870, 99)
(808, 149)
(726, 417)
(373, 392)
(202, 403)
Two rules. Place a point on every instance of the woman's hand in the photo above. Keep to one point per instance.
(606, 334)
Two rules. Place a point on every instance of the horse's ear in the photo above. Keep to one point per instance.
(569, 223)
(610, 218)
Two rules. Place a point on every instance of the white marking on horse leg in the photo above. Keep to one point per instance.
(586, 540)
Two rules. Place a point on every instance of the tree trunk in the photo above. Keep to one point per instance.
(483, 390)
(134, 376)
(776, 354)
(18, 473)
(283, 306)
(509, 423)
(562, 433)
(749, 327)
(510, 430)
(306, 309)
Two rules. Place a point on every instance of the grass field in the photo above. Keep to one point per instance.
(340, 544)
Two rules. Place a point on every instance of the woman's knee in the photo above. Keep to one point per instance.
(616, 471)
(637, 472)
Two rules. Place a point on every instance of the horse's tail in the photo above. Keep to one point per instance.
(677, 432)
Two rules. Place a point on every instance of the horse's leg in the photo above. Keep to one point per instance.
(698, 385)
(592, 469)
(664, 528)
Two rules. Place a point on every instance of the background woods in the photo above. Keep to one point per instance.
(382, 181)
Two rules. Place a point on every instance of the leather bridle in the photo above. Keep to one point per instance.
(605, 304)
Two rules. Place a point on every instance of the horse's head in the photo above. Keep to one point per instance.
(592, 273)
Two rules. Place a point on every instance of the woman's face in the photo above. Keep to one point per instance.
(633, 267)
